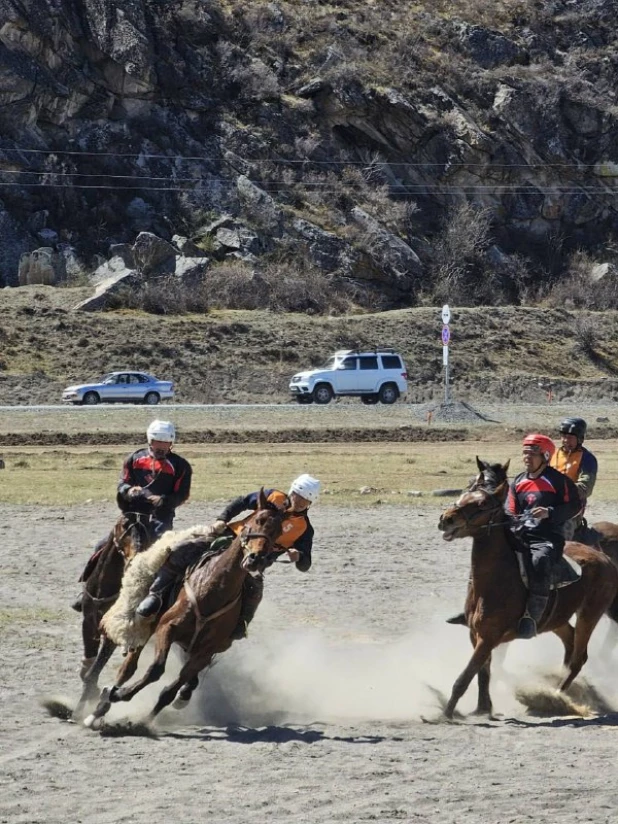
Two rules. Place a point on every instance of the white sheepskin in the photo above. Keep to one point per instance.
(120, 623)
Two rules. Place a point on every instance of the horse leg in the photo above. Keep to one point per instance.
(185, 693)
(566, 633)
(482, 651)
(90, 636)
(579, 656)
(188, 674)
(163, 643)
(91, 677)
(484, 706)
(125, 671)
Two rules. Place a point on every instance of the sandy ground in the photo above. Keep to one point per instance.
(316, 717)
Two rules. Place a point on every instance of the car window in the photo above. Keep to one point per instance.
(143, 378)
(368, 363)
(121, 379)
(330, 364)
(391, 362)
(133, 379)
(348, 363)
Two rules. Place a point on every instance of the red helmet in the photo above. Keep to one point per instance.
(540, 443)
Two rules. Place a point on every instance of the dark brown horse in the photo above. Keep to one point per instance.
(497, 596)
(203, 616)
(131, 534)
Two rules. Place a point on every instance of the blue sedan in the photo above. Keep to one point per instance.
(121, 387)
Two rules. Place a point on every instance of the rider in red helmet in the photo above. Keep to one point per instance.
(550, 499)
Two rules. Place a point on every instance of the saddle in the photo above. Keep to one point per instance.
(565, 572)
(218, 546)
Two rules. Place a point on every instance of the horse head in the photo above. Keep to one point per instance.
(490, 475)
(259, 536)
(131, 534)
(476, 510)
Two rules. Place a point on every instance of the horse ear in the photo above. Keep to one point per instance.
(506, 465)
(480, 464)
(262, 501)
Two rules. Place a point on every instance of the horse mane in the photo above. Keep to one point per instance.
(119, 622)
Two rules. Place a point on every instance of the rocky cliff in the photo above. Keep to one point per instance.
(401, 151)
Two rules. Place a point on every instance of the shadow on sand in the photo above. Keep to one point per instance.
(273, 734)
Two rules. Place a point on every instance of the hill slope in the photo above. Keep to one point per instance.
(250, 356)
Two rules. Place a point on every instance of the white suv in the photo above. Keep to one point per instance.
(373, 376)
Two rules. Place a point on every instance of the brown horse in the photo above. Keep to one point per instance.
(131, 534)
(203, 616)
(497, 596)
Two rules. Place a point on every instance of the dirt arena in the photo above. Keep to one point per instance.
(317, 717)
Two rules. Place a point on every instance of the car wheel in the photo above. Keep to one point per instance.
(322, 394)
(389, 393)
(152, 399)
(91, 399)
(369, 399)
(304, 399)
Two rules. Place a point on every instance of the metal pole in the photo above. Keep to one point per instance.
(446, 383)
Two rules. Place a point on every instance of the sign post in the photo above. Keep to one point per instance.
(446, 337)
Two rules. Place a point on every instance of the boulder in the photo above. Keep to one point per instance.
(187, 247)
(124, 279)
(109, 270)
(260, 205)
(237, 238)
(191, 269)
(42, 266)
(153, 255)
(325, 249)
(396, 261)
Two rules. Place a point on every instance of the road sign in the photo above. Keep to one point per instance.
(445, 355)
(446, 314)
(446, 335)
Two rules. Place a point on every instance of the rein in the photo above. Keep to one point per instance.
(491, 524)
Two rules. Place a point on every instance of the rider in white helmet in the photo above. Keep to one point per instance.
(296, 540)
(154, 481)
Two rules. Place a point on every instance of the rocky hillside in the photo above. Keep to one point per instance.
(388, 153)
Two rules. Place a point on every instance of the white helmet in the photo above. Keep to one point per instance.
(161, 431)
(307, 486)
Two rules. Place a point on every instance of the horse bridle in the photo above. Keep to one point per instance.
(492, 523)
(137, 521)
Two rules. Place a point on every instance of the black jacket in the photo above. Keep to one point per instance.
(170, 478)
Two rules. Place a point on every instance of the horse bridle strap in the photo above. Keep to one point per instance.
(137, 522)
(490, 524)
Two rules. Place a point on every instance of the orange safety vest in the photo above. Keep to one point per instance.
(567, 463)
(294, 526)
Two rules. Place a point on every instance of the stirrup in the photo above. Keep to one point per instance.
(526, 628)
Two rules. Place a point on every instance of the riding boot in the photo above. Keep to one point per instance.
(527, 627)
(252, 592)
(78, 603)
(460, 618)
(153, 602)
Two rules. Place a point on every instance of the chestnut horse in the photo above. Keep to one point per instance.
(497, 597)
(131, 534)
(204, 615)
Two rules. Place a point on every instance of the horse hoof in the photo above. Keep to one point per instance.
(89, 721)
(180, 703)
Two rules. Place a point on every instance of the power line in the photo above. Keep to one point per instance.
(376, 162)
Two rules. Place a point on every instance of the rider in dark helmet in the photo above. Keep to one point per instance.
(574, 460)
